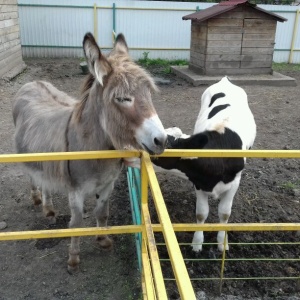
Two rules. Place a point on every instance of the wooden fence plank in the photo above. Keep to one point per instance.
(260, 57)
(224, 43)
(225, 57)
(255, 64)
(224, 50)
(260, 23)
(257, 51)
(222, 65)
(258, 44)
(225, 22)
(225, 29)
(226, 37)
(259, 36)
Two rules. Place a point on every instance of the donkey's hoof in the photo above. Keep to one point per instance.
(51, 217)
(50, 214)
(73, 264)
(73, 269)
(36, 197)
(105, 242)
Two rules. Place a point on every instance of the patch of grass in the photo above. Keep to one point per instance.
(291, 185)
(164, 64)
(285, 67)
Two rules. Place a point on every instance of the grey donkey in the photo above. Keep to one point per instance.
(115, 111)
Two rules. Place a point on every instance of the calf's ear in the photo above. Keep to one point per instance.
(198, 141)
(97, 63)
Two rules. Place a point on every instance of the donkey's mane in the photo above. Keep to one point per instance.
(84, 92)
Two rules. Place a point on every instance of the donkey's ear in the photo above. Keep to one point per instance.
(120, 44)
(97, 63)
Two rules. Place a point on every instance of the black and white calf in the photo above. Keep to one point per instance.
(225, 121)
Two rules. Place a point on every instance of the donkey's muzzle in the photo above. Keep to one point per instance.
(152, 136)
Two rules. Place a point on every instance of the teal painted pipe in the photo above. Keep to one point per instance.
(134, 194)
(54, 5)
(114, 21)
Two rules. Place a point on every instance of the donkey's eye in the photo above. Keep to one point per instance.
(123, 99)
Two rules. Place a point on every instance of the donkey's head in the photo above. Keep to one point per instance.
(124, 92)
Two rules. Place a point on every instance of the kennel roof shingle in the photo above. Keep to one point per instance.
(226, 6)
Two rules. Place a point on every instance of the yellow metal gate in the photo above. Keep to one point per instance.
(153, 283)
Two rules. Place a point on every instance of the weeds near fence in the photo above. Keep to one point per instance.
(163, 64)
(285, 67)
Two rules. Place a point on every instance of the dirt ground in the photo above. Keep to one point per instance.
(269, 192)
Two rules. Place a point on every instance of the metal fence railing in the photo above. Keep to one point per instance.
(153, 281)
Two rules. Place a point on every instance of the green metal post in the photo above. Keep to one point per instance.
(114, 22)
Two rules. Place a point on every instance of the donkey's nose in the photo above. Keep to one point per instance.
(159, 142)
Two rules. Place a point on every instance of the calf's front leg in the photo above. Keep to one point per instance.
(202, 210)
(224, 211)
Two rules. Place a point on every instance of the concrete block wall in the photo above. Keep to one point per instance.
(11, 62)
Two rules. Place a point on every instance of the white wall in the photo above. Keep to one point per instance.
(148, 26)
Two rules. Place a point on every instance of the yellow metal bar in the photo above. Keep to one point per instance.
(95, 23)
(147, 277)
(182, 278)
(29, 157)
(148, 233)
(52, 156)
(59, 233)
(294, 36)
(231, 227)
(232, 153)
(157, 272)
(145, 256)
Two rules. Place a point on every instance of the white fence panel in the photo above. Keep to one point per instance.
(153, 27)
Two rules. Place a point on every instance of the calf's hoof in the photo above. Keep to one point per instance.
(197, 248)
(105, 242)
(221, 247)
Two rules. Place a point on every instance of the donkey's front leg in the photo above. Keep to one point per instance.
(36, 195)
(202, 210)
(102, 212)
(76, 200)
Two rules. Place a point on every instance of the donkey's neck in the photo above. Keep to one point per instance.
(91, 122)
